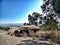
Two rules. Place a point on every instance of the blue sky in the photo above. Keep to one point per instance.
(16, 11)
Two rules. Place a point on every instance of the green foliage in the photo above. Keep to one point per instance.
(4, 28)
(24, 24)
(58, 29)
(33, 18)
(56, 5)
(51, 24)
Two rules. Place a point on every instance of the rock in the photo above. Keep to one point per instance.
(35, 41)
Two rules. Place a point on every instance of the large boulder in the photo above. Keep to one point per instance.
(31, 27)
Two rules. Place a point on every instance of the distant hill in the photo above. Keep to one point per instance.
(11, 25)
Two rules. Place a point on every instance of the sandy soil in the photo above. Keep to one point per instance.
(10, 40)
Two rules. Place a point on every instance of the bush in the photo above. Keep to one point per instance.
(5, 28)
(31, 33)
(55, 36)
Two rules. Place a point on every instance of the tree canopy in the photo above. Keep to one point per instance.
(48, 21)
(56, 5)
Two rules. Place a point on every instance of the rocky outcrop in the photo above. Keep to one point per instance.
(35, 41)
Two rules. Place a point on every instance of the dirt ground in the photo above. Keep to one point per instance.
(10, 40)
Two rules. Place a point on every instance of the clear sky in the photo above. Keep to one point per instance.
(16, 11)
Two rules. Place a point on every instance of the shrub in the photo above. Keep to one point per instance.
(31, 33)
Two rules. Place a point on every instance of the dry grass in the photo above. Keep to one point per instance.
(42, 33)
(31, 34)
(11, 30)
(0, 31)
(56, 34)
(48, 33)
(11, 40)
